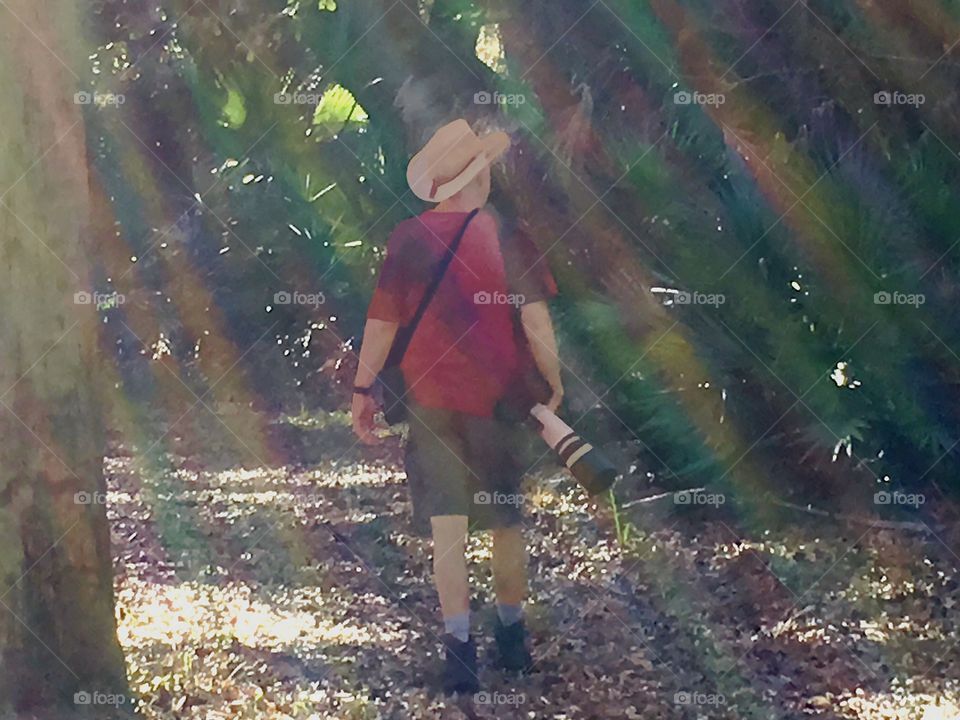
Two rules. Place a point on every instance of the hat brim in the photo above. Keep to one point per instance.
(493, 146)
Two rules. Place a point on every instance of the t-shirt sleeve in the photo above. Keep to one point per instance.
(391, 299)
(528, 273)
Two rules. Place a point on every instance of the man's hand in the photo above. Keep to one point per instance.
(554, 403)
(363, 409)
(538, 328)
(377, 339)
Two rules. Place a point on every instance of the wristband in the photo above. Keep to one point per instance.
(357, 390)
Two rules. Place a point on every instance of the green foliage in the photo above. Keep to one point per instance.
(797, 200)
(234, 109)
(337, 110)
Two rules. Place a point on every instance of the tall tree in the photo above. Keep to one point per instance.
(57, 626)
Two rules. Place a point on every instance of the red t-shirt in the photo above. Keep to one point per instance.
(464, 352)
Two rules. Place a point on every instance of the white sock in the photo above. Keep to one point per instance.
(458, 626)
(509, 614)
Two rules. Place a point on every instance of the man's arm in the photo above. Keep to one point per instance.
(538, 328)
(377, 340)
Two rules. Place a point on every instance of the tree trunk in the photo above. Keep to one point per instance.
(57, 627)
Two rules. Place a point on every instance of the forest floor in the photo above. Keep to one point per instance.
(292, 588)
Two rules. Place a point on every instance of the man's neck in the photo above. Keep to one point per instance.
(459, 205)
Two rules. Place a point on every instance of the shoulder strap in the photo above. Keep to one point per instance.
(401, 348)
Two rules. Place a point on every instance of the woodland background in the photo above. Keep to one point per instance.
(797, 199)
(750, 207)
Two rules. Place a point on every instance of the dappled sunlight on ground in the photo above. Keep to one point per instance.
(880, 631)
(288, 620)
(903, 705)
(299, 592)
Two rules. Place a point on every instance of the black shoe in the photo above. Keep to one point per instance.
(460, 668)
(512, 650)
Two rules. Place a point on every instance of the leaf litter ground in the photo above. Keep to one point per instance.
(295, 590)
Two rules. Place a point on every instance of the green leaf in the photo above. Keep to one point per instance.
(234, 109)
(337, 109)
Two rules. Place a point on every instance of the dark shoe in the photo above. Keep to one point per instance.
(460, 669)
(512, 652)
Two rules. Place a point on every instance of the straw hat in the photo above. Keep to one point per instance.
(451, 159)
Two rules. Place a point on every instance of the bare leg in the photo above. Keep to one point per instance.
(509, 565)
(450, 563)
(450, 575)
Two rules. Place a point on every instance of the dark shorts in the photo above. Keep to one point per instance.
(459, 464)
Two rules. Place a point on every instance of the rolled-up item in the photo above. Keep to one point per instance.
(591, 468)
